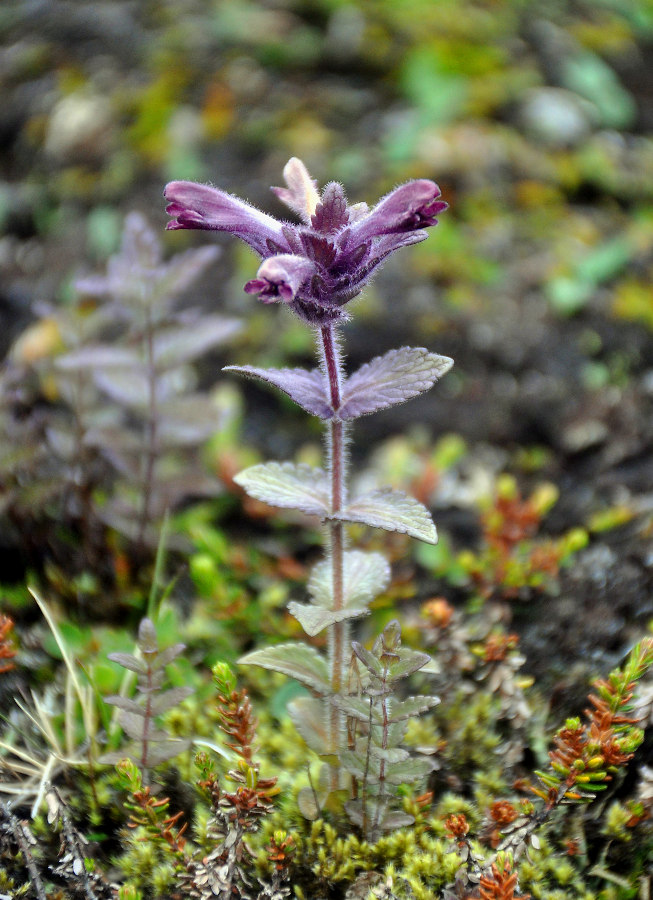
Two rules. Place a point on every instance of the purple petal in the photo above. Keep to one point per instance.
(409, 207)
(280, 278)
(194, 205)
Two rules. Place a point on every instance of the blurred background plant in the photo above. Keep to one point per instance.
(535, 118)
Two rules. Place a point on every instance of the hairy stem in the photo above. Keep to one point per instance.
(339, 632)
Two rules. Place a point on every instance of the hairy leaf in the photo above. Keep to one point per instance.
(309, 715)
(297, 660)
(286, 484)
(371, 662)
(306, 387)
(390, 379)
(410, 707)
(397, 710)
(409, 661)
(366, 575)
(393, 511)
(315, 619)
(355, 707)
(389, 754)
(404, 770)
(412, 769)
(355, 762)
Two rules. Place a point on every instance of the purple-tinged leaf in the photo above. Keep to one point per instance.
(366, 576)
(287, 485)
(395, 819)
(126, 704)
(134, 726)
(183, 269)
(186, 420)
(315, 619)
(168, 699)
(390, 379)
(392, 511)
(166, 656)
(186, 342)
(131, 387)
(127, 661)
(306, 387)
(164, 750)
(299, 661)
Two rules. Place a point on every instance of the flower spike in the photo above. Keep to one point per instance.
(317, 267)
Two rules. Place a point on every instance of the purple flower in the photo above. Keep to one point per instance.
(319, 266)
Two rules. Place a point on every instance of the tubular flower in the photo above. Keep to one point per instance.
(320, 265)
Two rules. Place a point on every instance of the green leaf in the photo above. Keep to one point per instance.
(309, 716)
(355, 763)
(409, 661)
(397, 710)
(410, 770)
(389, 754)
(315, 619)
(366, 575)
(404, 770)
(411, 707)
(287, 485)
(356, 707)
(392, 511)
(373, 665)
(296, 660)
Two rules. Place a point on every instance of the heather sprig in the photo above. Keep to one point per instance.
(316, 268)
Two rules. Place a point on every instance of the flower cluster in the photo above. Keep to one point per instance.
(319, 266)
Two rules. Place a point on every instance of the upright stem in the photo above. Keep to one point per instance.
(339, 632)
(150, 433)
